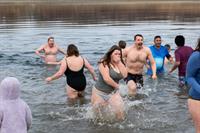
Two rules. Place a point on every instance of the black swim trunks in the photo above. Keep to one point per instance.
(137, 78)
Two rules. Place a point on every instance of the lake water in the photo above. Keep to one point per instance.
(94, 29)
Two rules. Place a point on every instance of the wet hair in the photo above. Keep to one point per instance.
(122, 44)
(72, 50)
(198, 45)
(167, 46)
(180, 40)
(106, 60)
(50, 38)
(137, 35)
(157, 37)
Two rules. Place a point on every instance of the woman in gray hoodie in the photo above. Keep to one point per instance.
(15, 114)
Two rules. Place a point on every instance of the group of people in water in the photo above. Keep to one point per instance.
(113, 66)
(118, 63)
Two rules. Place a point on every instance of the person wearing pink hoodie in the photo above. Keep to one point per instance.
(15, 114)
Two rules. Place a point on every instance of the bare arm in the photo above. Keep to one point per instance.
(61, 51)
(171, 60)
(124, 53)
(176, 64)
(40, 49)
(104, 70)
(91, 69)
(122, 69)
(60, 72)
(153, 63)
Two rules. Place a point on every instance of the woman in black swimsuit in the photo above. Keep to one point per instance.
(73, 67)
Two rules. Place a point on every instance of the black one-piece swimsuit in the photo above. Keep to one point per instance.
(76, 79)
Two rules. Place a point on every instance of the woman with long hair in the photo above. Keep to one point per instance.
(73, 67)
(193, 79)
(105, 92)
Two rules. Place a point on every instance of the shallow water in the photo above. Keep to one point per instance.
(157, 110)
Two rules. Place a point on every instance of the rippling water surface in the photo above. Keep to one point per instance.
(156, 110)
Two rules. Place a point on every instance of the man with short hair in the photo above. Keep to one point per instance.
(136, 56)
(159, 53)
(182, 54)
(122, 44)
(50, 51)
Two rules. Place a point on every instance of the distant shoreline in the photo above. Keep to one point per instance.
(99, 11)
(92, 2)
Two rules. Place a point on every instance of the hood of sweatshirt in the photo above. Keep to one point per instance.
(10, 88)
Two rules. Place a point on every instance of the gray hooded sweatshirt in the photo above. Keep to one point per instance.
(15, 114)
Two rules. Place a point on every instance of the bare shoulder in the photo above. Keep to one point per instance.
(103, 67)
(45, 45)
(127, 49)
(64, 59)
(42, 47)
(147, 49)
(56, 45)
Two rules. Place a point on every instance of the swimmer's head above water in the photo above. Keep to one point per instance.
(51, 42)
(157, 41)
(138, 38)
(114, 54)
(72, 50)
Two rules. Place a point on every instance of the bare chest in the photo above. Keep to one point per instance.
(137, 56)
(51, 51)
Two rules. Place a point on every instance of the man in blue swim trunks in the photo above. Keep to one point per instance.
(159, 53)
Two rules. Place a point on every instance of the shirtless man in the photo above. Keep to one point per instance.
(136, 56)
(50, 51)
